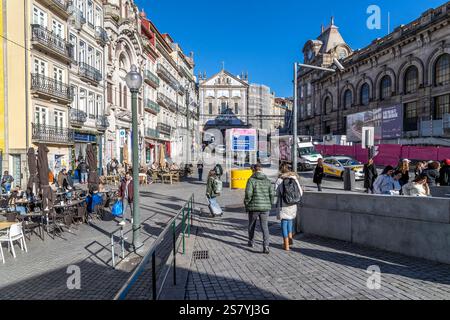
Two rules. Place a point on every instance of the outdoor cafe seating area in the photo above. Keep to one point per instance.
(24, 218)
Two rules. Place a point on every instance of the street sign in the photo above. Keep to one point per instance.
(368, 137)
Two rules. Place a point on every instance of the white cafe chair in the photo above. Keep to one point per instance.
(14, 233)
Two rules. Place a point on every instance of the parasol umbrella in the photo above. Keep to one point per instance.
(33, 182)
(162, 157)
(93, 179)
(48, 196)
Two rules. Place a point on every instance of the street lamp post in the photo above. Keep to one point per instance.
(134, 83)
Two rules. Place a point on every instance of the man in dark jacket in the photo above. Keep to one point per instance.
(126, 194)
(444, 173)
(370, 175)
(83, 169)
(259, 195)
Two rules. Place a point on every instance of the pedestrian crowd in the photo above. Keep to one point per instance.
(399, 180)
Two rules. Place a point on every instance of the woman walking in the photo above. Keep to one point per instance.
(370, 175)
(318, 174)
(289, 193)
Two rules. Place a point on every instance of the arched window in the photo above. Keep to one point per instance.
(411, 79)
(328, 106)
(442, 70)
(348, 99)
(365, 94)
(385, 87)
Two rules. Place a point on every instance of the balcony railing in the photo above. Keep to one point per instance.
(151, 106)
(102, 123)
(90, 73)
(164, 128)
(167, 76)
(52, 134)
(50, 87)
(77, 117)
(51, 42)
(61, 6)
(152, 133)
(165, 101)
(151, 78)
(77, 16)
(101, 36)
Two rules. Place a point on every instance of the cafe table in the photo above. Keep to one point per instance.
(6, 225)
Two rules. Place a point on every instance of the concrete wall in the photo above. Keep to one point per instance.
(418, 227)
(443, 192)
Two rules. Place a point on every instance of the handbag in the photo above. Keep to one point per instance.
(117, 209)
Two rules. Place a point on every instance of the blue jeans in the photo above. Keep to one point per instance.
(84, 177)
(287, 227)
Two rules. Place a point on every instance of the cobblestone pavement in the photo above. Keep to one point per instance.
(42, 272)
(316, 268)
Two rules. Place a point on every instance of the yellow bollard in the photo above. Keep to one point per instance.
(239, 178)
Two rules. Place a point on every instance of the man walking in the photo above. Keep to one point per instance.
(83, 169)
(259, 195)
(126, 193)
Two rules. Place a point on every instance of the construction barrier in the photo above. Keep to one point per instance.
(239, 178)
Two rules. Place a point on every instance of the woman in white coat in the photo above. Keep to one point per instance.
(287, 212)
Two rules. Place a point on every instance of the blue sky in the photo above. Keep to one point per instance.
(265, 37)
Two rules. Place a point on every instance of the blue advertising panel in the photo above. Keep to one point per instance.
(243, 140)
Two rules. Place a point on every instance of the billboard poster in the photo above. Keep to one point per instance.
(356, 122)
(244, 140)
(392, 125)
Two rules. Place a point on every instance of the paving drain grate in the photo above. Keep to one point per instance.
(201, 255)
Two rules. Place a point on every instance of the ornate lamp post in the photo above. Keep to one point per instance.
(134, 83)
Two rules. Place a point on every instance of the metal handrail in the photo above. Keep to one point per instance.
(123, 292)
(122, 244)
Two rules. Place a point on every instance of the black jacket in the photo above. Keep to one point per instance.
(432, 176)
(444, 176)
(83, 167)
(318, 175)
(370, 175)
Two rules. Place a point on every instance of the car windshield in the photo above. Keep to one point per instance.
(349, 162)
(307, 151)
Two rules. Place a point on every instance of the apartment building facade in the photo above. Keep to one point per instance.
(88, 39)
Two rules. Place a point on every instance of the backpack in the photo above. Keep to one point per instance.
(291, 193)
(217, 186)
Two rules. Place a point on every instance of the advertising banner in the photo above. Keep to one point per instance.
(392, 124)
(388, 123)
(244, 140)
(356, 122)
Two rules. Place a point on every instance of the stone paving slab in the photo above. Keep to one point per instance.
(315, 268)
(42, 272)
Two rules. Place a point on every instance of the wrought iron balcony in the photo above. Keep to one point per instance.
(89, 73)
(59, 6)
(185, 72)
(77, 17)
(52, 43)
(51, 134)
(165, 101)
(167, 76)
(164, 128)
(50, 88)
(182, 109)
(77, 117)
(102, 123)
(151, 106)
(151, 133)
(151, 78)
(101, 36)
